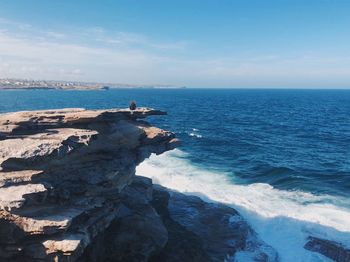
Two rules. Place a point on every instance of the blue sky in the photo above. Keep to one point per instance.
(248, 43)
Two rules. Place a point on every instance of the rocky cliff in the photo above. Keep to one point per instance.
(68, 192)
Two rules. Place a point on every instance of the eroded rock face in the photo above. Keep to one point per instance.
(138, 231)
(64, 175)
(200, 231)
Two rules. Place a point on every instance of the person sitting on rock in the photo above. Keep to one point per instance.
(132, 105)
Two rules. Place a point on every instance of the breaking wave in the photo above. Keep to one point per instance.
(283, 219)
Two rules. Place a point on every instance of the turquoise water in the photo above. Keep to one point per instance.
(282, 157)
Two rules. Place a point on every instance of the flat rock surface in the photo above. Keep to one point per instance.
(27, 121)
(15, 196)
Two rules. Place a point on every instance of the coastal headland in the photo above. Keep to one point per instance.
(68, 192)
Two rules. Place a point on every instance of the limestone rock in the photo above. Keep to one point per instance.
(17, 177)
(16, 196)
(64, 177)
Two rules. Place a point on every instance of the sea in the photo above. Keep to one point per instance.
(280, 157)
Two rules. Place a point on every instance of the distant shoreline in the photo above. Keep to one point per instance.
(48, 88)
(23, 84)
(82, 88)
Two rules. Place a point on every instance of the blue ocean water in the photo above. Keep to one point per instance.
(290, 139)
(272, 154)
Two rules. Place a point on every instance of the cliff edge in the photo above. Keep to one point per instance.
(68, 192)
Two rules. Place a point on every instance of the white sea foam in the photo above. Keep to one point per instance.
(195, 135)
(283, 219)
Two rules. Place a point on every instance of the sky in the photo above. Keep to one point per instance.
(202, 43)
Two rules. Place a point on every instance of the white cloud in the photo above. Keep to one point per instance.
(94, 54)
(55, 35)
(21, 57)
